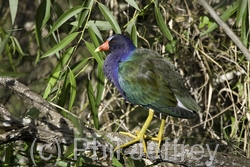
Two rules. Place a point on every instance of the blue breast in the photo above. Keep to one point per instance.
(111, 67)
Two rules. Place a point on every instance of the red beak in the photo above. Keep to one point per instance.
(103, 47)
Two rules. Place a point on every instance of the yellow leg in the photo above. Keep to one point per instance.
(140, 136)
(160, 133)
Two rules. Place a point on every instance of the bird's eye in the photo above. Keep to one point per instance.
(112, 42)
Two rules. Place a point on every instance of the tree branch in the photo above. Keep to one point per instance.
(53, 129)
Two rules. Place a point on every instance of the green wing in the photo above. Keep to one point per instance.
(150, 80)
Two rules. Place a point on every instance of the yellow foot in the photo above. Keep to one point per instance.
(140, 135)
(137, 138)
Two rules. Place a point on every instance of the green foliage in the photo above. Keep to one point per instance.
(110, 18)
(13, 10)
(160, 21)
(204, 20)
(9, 47)
(225, 15)
(62, 43)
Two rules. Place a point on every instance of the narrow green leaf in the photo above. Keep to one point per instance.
(81, 18)
(116, 163)
(4, 40)
(13, 9)
(93, 28)
(10, 57)
(229, 12)
(52, 81)
(46, 13)
(131, 29)
(81, 65)
(39, 17)
(91, 49)
(161, 23)
(92, 102)
(55, 74)
(68, 39)
(11, 74)
(33, 113)
(234, 126)
(88, 4)
(242, 8)
(17, 46)
(69, 151)
(100, 85)
(102, 25)
(110, 18)
(42, 17)
(133, 3)
(72, 81)
(100, 55)
(64, 92)
(64, 60)
(134, 34)
(64, 17)
(244, 31)
(8, 153)
(77, 123)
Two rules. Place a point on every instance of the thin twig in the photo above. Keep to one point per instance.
(226, 28)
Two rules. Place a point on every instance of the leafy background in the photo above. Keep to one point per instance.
(49, 46)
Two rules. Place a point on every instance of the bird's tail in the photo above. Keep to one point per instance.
(176, 111)
(182, 112)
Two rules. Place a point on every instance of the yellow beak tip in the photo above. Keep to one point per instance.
(98, 49)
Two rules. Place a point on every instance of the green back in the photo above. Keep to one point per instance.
(150, 80)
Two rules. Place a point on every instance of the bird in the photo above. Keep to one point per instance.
(144, 77)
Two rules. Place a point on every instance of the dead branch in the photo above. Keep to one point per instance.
(54, 127)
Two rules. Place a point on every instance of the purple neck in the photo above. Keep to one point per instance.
(111, 65)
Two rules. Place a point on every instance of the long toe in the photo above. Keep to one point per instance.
(137, 138)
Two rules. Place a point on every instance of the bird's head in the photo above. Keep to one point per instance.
(116, 42)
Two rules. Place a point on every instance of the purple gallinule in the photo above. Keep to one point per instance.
(145, 78)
